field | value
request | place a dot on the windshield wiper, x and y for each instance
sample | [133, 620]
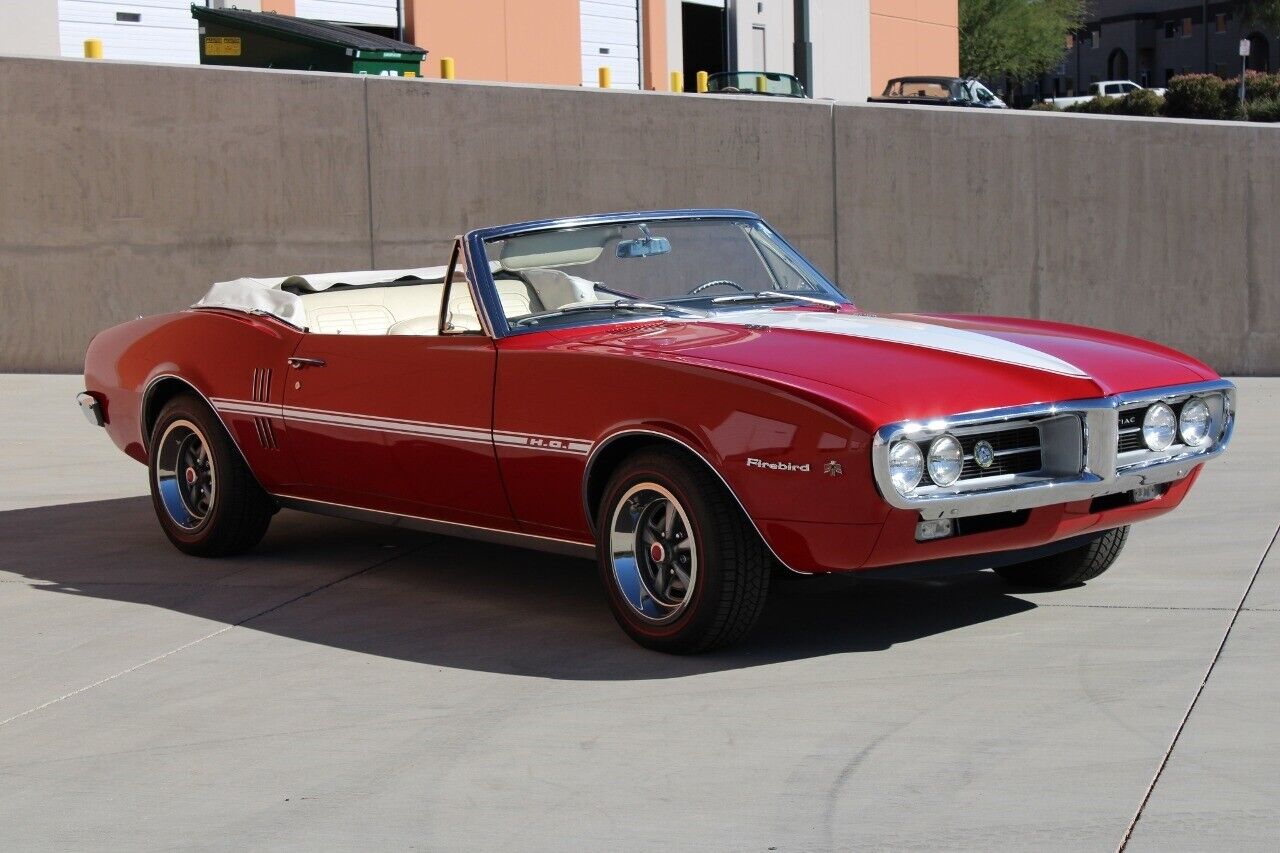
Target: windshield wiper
[619, 305]
[765, 295]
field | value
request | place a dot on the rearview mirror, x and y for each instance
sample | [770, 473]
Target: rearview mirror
[644, 247]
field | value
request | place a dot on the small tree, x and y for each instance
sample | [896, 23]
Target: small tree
[1258, 13]
[1017, 39]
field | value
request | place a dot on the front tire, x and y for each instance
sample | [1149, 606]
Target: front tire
[1070, 568]
[683, 569]
[207, 500]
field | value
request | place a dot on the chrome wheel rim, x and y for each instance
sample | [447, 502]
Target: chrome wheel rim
[185, 477]
[653, 553]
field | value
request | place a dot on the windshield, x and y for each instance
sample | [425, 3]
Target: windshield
[765, 82]
[567, 275]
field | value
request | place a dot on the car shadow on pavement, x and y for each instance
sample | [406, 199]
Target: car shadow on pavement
[447, 602]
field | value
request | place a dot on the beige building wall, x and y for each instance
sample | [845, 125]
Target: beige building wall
[517, 41]
[29, 28]
[913, 37]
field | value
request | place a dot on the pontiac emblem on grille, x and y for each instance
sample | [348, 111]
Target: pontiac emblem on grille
[833, 469]
[984, 454]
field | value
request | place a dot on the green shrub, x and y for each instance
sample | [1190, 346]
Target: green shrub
[1143, 102]
[1262, 87]
[1093, 106]
[1264, 109]
[1041, 106]
[1199, 96]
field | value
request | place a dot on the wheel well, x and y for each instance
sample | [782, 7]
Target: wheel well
[160, 393]
[614, 453]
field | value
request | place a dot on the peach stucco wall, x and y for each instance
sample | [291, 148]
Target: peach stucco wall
[913, 37]
[280, 7]
[517, 41]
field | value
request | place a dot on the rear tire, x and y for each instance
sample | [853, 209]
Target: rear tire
[1070, 568]
[207, 500]
[683, 569]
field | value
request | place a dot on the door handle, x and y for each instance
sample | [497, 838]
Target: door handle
[298, 362]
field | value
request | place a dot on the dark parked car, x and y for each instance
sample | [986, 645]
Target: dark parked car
[940, 92]
[755, 83]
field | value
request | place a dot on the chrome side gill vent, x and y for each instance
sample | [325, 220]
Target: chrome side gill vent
[261, 393]
[266, 434]
[261, 385]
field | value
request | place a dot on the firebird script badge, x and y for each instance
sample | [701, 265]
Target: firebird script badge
[832, 469]
[752, 462]
[984, 454]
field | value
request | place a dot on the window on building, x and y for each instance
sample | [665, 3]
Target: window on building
[1186, 28]
[1170, 29]
[1220, 22]
[1095, 38]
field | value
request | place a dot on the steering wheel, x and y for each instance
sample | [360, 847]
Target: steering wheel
[716, 282]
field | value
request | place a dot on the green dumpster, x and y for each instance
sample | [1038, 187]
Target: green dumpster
[269, 40]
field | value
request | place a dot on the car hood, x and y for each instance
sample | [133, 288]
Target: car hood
[916, 365]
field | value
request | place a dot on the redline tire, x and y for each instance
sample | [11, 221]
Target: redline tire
[721, 567]
[1070, 568]
[206, 499]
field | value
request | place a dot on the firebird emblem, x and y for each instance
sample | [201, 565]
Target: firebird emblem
[984, 454]
[833, 469]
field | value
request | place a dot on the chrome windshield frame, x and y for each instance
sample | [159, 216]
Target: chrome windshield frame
[1101, 472]
[491, 306]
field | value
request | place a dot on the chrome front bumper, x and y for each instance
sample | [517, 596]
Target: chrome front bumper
[1089, 431]
[91, 408]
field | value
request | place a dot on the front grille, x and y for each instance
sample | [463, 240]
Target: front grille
[1017, 452]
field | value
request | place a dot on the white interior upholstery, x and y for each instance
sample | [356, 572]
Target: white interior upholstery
[413, 309]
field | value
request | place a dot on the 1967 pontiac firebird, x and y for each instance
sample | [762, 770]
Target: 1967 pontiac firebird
[677, 394]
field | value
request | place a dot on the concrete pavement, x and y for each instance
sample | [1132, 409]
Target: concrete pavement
[348, 686]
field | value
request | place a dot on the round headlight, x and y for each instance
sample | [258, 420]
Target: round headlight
[906, 466]
[1159, 426]
[946, 460]
[1193, 423]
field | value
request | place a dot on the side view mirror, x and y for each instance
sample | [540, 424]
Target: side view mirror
[644, 247]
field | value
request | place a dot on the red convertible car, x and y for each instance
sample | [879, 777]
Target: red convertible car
[677, 394]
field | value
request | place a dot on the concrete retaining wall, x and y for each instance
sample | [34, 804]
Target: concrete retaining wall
[127, 189]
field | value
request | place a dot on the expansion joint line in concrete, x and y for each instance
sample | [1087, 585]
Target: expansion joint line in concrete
[1164, 761]
[216, 633]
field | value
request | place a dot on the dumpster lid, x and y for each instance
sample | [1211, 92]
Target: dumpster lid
[304, 30]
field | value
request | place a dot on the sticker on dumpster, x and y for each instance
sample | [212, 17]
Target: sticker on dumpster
[221, 45]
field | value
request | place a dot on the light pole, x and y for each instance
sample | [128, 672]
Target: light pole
[803, 47]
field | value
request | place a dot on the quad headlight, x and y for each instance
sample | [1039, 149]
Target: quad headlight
[906, 466]
[1194, 421]
[946, 460]
[1159, 426]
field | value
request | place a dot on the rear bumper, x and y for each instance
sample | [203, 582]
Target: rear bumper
[91, 408]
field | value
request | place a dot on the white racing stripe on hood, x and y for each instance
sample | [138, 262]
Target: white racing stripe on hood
[909, 332]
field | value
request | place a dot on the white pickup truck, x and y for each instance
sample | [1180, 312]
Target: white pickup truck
[1104, 89]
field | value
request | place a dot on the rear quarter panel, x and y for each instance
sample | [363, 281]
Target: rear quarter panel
[216, 352]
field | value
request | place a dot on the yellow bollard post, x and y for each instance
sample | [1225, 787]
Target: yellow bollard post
[446, 68]
[702, 81]
[762, 84]
[677, 81]
[606, 77]
[93, 48]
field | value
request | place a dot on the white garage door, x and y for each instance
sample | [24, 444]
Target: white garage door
[368, 13]
[139, 30]
[611, 36]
